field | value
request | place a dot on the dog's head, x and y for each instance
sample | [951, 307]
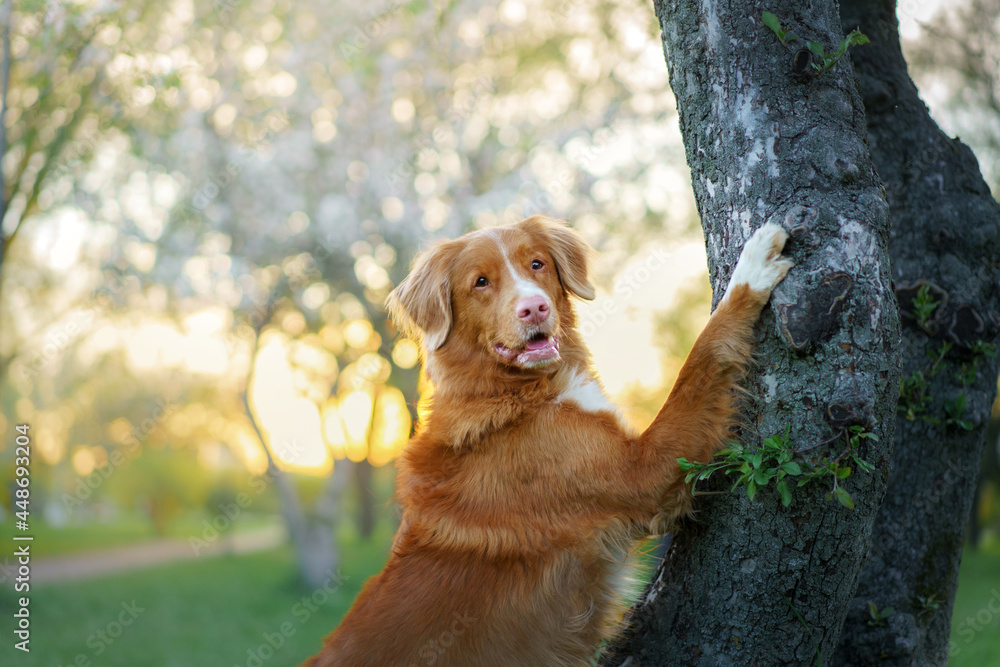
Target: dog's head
[500, 292]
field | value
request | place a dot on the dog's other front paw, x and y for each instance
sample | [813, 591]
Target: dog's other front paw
[761, 265]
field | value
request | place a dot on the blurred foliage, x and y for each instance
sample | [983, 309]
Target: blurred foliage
[176, 173]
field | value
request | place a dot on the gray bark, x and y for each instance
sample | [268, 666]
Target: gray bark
[750, 582]
[312, 535]
[366, 499]
[946, 233]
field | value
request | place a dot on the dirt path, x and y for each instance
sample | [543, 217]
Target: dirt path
[94, 564]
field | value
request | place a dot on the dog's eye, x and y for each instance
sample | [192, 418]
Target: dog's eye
[481, 282]
[537, 264]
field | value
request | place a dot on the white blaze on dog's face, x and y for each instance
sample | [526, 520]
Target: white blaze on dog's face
[502, 291]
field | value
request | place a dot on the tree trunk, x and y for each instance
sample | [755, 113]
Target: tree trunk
[366, 499]
[751, 582]
[945, 237]
[319, 556]
[313, 536]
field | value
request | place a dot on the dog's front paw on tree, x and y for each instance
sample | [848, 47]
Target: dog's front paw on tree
[768, 136]
[762, 149]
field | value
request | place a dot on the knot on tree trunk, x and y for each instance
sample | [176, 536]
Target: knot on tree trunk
[815, 315]
[962, 324]
[851, 403]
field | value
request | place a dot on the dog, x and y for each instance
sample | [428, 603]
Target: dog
[523, 490]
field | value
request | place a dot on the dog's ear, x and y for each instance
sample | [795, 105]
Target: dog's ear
[569, 251]
[421, 304]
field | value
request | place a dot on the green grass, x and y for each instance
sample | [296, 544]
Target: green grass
[975, 622]
[50, 541]
[213, 612]
[128, 529]
[220, 612]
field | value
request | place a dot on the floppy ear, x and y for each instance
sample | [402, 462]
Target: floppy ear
[421, 304]
[569, 252]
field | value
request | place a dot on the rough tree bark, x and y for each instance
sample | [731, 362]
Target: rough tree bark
[750, 582]
[945, 235]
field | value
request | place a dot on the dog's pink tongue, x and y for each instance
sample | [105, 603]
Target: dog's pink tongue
[539, 344]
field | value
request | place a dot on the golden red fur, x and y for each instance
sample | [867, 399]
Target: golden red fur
[522, 490]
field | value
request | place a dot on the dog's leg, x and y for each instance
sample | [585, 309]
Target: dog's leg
[697, 418]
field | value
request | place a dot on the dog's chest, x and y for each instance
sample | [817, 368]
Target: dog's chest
[586, 393]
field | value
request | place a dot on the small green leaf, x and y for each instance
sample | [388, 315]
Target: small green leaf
[841, 50]
[857, 38]
[786, 493]
[844, 498]
[887, 612]
[872, 609]
[751, 489]
[815, 47]
[772, 22]
[685, 464]
[792, 468]
[843, 472]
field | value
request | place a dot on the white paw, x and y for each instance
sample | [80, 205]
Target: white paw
[761, 265]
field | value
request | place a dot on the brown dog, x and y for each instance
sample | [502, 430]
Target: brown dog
[523, 490]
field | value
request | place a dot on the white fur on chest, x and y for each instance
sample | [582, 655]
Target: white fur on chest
[587, 393]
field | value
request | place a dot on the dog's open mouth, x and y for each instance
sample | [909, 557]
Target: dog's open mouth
[537, 349]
